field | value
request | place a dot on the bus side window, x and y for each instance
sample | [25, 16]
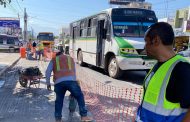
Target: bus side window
[89, 27]
[92, 23]
[108, 28]
[83, 28]
[94, 27]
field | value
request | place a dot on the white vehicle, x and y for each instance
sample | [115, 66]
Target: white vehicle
[9, 42]
[113, 39]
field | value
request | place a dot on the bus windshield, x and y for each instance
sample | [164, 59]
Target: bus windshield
[130, 29]
[45, 36]
[132, 22]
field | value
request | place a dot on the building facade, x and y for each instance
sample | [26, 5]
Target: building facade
[182, 29]
[182, 21]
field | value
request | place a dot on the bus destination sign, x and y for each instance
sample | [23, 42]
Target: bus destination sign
[124, 2]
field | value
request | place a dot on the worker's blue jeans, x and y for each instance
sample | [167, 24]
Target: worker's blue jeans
[40, 53]
[60, 90]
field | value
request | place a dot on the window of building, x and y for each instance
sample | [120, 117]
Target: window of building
[1, 40]
[10, 41]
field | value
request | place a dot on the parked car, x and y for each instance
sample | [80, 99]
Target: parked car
[9, 43]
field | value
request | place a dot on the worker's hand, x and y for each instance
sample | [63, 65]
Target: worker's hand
[49, 87]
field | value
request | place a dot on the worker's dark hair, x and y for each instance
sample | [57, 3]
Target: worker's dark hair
[162, 30]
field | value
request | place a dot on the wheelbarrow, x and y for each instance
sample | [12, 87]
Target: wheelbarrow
[28, 80]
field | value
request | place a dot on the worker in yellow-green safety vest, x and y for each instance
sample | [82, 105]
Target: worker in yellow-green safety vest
[167, 85]
[39, 50]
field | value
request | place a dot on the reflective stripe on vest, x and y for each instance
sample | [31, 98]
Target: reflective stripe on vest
[68, 63]
[63, 66]
[57, 63]
[155, 95]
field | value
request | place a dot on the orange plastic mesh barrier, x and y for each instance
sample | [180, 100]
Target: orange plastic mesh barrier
[109, 103]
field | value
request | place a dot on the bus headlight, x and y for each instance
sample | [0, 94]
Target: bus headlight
[128, 50]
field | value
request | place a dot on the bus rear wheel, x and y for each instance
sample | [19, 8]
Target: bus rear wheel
[80, 58]
[113, 68]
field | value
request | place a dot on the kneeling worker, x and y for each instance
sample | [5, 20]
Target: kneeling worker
[63, 67]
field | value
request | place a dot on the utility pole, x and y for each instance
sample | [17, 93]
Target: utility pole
[166, 7]
[25, 25]
[32, 33]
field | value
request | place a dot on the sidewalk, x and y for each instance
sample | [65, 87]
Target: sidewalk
[7, 60]
[20, 104]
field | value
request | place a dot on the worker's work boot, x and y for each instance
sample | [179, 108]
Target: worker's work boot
[86, 119]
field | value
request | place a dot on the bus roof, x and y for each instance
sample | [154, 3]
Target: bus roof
[108, 11]
[102, 12]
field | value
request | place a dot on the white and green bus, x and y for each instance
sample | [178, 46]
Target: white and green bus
[113, 40]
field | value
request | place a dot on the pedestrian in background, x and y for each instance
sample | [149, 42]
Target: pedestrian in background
[63, 68]
[34, 49]
[29, 48]
[34, 44]
[167, 86]
[40, 50]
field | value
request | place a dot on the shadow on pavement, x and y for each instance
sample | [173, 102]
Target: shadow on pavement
[20, 104]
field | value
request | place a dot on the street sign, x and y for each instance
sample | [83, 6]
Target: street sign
[9, 25]
[10, 22]
[124, 2]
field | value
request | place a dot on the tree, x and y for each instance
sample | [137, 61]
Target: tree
[56, 37]
[4, 2]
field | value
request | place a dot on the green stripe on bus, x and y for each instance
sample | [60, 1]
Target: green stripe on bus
[123, 43]
[57, 63]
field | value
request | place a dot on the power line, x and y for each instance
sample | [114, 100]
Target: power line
[47, 21]
[163, 2]
[166, 8]
[19, 6]
[11, 7]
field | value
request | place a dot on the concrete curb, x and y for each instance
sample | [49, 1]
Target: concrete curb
[8, 67]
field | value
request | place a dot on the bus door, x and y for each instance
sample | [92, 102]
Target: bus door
[100, 43]
[73, 40]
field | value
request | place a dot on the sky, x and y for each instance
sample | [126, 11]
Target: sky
[51, 15]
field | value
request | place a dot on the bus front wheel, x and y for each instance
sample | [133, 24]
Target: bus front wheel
[80, 58]
[113, 68]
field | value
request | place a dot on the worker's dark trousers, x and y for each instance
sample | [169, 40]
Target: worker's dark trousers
[60, 90]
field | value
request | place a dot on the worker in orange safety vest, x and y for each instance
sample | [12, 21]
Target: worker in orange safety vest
[63, 68]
